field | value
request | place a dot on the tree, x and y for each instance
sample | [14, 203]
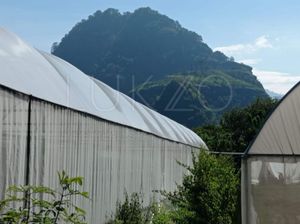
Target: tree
[27, 204]
[231, 59]
[208, 194]
[54, 47]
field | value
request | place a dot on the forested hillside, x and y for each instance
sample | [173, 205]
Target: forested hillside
[153, 59]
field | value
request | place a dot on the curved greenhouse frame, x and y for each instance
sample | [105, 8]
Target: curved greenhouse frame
[271, 167]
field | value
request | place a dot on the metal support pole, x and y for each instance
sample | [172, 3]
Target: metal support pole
[27, 164]
[27, 168]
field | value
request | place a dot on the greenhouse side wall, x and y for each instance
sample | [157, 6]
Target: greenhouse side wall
[271, 189]
[13, 138]
[111, 158]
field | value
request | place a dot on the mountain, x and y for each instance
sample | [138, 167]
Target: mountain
[274, 95]
[153, 59]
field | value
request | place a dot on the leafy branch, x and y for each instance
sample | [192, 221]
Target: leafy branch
[40, 204]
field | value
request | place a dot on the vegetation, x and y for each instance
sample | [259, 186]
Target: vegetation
[158, 62]
[238, 127]
[162, 214]
[131, 211]
[40, 204]
[208, 194]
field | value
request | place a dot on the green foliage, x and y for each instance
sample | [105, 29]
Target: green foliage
[215, 137]
[130, 211]
[161, 214]
[238, 127]
[40, 204]
[208, 193]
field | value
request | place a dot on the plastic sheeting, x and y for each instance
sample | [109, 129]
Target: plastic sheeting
[107, 155]
[271, 190]
[280, 134]
[111, 158]
[271, 167]
[13, 138]
[47, 77]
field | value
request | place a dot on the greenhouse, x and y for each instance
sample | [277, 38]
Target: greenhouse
[271, 167]
[53, 117]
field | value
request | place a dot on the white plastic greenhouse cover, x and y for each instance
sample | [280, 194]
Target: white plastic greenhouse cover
[52, 79]
[280, 135]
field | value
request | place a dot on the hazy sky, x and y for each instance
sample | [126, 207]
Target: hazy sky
[262, 33]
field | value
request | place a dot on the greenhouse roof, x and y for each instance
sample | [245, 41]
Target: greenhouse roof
[47, 77]
[280, 134]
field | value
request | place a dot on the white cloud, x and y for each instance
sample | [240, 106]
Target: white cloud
[247, 53]
[231, 49]
[250, 61]
[278, 82]
[262, 42]
[259, 43]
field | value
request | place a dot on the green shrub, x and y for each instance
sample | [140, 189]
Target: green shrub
[25, 204]
[130, 211]
[208, 194]
[161, 214]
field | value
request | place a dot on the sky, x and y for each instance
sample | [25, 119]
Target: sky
[264, 34]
